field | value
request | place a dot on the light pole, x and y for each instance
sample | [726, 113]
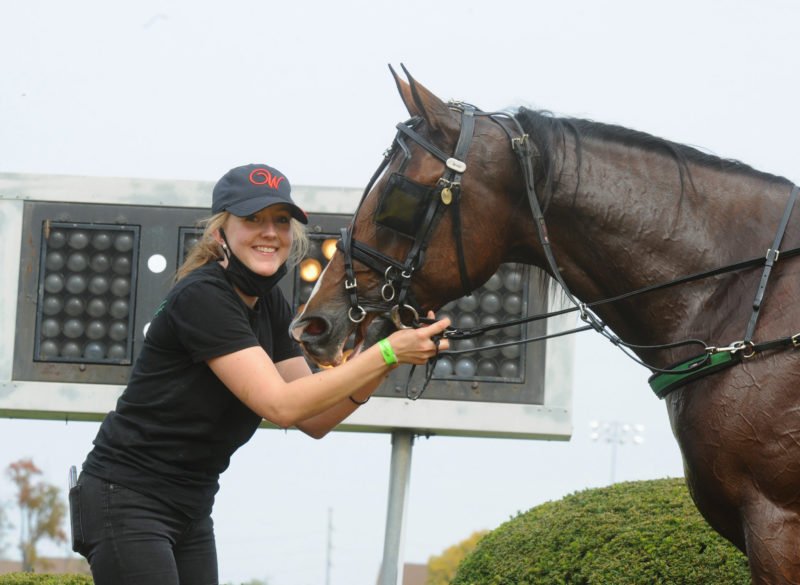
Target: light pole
[616, 433]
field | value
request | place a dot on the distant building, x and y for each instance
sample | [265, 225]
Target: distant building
[413, 574]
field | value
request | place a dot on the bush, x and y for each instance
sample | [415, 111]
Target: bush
[627, 534]
[44, 579]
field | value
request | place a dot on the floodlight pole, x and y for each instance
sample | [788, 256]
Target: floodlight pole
[616, 433]
[399, 476]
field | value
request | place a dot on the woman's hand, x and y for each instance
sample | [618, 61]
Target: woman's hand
[416, 346]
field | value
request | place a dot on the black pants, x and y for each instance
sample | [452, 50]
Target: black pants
[132, 539]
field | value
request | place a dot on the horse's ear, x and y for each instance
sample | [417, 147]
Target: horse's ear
[405, 93]
[419, 101]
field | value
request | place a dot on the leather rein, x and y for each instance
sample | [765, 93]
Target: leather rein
[396, 294]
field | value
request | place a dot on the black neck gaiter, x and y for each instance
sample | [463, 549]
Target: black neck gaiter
[247, 281]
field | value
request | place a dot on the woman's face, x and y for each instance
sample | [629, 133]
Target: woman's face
[262, 241]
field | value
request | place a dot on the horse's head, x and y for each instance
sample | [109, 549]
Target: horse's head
[435, 222]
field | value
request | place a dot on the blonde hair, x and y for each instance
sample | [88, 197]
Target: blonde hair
[207, 249]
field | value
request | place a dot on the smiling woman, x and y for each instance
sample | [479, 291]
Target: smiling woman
[255, 248]
[217, 359]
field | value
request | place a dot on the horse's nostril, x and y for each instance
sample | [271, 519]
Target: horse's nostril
[315, 327]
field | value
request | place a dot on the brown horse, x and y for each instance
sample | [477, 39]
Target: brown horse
[625, 211]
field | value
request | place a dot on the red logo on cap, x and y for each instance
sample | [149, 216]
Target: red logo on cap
[264, 177]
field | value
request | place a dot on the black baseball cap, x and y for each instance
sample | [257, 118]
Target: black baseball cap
[248, 189]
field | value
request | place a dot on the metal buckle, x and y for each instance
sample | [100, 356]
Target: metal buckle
[795, 340]
[350, 284]
[520, 144]
[456, 105]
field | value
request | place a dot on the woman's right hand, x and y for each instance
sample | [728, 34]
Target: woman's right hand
[416, 346]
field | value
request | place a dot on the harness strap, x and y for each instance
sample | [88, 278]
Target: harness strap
[356, 312]
[466, 285]
[416, 137]
[346, 241]
[464, 140]
[416, 254]
[371, 257]
[524, 151]
[665, 381]
[690, 370]
[772, 257]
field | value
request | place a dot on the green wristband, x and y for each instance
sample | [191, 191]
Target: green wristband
[387, 352]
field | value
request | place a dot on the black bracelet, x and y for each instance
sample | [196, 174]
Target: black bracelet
[354, 401]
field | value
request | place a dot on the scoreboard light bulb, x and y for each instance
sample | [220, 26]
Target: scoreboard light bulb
[310, 269]
[329, 248]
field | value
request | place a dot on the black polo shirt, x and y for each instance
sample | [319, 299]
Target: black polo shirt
[176, 425]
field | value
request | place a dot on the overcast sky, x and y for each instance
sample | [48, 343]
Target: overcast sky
[186, 90]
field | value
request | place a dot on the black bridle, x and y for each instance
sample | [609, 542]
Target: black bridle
[395, 292]
[446, 193]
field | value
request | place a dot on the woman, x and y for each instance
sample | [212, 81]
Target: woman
[216, 360]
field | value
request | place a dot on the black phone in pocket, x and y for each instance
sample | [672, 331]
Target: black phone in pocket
[75, 509]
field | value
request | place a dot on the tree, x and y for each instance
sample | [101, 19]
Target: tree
[442, 568]
[42, 511]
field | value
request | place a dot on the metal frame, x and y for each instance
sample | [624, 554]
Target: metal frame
[157, 234]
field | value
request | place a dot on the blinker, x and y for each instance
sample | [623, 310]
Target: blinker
[402, 204]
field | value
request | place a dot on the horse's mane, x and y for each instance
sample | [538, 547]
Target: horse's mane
[549, 132]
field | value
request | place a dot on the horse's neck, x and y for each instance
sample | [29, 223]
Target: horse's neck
[625, 221]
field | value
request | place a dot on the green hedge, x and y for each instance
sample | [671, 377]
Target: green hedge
[634, 533]
[44, 579]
